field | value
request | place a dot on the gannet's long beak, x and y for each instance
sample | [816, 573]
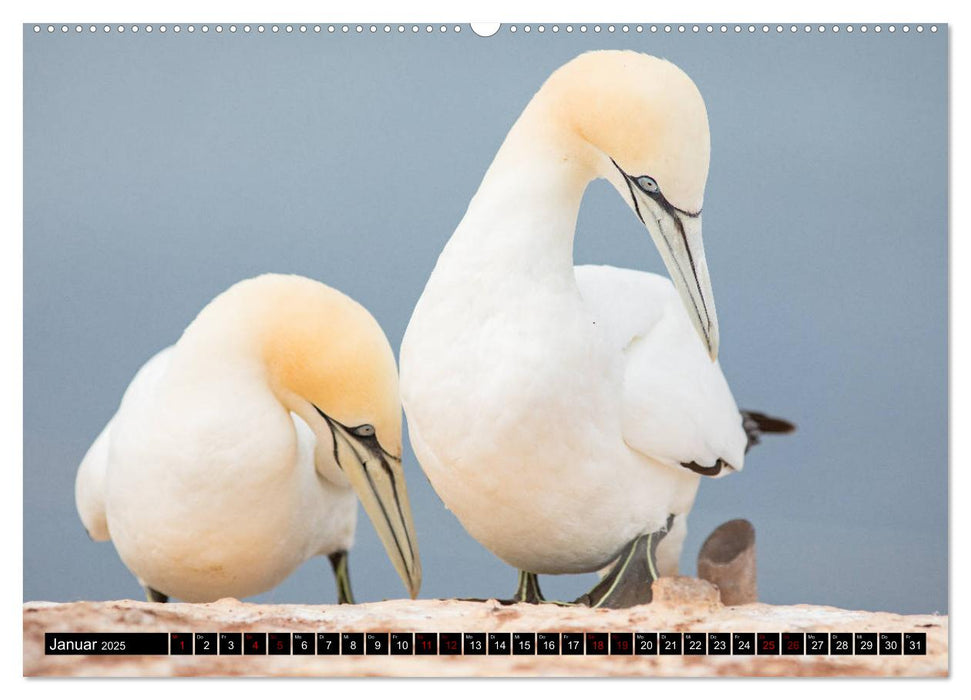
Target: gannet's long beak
[678, 238]
[379, 481]
[677, 235]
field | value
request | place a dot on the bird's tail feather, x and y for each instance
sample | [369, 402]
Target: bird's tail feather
[757, 424]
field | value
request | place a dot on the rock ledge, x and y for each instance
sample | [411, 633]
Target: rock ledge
[680, 605]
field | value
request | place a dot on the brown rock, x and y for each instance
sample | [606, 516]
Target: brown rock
[727, 559]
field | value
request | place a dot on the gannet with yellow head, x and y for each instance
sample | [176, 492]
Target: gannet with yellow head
[236, 454]
[565, 414]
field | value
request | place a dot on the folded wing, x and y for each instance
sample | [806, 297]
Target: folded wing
[677, 407]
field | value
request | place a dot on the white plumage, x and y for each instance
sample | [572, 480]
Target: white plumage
[676, 404]
[241, 451]
[557, 411]
[204, 500]
[555, 428]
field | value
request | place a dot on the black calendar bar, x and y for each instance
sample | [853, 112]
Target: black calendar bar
[487, 644]
[106, 643]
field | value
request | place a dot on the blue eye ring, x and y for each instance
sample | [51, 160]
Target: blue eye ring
[366, 430]
[647, 183]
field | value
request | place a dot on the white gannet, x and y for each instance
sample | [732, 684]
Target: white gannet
[236, 453]
[565, 414]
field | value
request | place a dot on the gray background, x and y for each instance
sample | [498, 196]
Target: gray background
[160, 169]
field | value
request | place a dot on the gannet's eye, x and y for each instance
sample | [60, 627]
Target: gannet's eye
[648, 184]
[366, 430]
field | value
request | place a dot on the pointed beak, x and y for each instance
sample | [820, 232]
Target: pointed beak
[678, 238]
[677, 235]
[379, 481]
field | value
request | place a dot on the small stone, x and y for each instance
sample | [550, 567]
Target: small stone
[683, 590]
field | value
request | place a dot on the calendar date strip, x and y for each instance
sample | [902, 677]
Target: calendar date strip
[486, 644]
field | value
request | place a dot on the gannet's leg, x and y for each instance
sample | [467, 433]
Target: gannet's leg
[338, 561]
[154, 596]
[527, 591]
[629, 582]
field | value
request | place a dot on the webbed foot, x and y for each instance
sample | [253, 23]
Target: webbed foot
[154, 596]
[629, 582]
[342, 576]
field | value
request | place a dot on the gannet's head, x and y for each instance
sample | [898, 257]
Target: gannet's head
[329, 361]
[647, 128]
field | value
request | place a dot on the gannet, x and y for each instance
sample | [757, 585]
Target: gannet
[566, 414]
[236, 453]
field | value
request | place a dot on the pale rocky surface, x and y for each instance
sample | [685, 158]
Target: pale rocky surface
[680, 605]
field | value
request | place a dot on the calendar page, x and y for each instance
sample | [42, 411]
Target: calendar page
[546, 349]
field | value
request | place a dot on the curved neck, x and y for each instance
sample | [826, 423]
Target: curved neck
[523, 216]
[224, 348]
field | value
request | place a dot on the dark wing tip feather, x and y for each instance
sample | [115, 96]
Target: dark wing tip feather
[757, 424]
[713, 470]
[767, 424]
